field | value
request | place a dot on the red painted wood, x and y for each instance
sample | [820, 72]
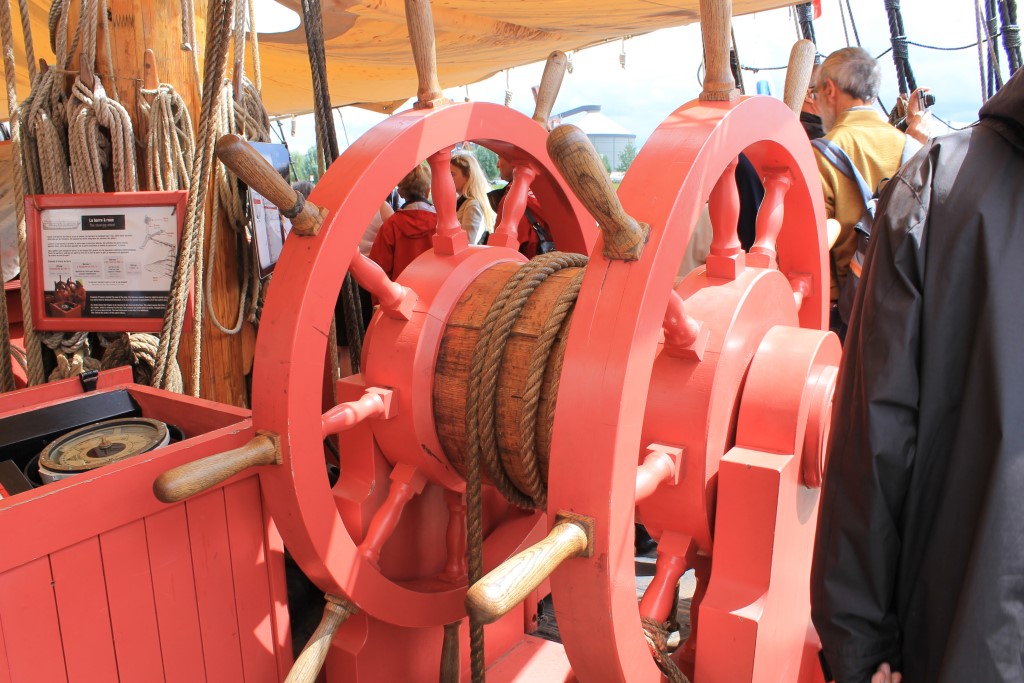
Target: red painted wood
[279, 618]
[130, 600]
[67, 512]
[5, 671]
[174, 594]
[51, 392]
[215, 591]
[251, 574]
[28, 611]
[82, 609]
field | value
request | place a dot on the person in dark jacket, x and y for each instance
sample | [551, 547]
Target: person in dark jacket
[919, 556]
[409, 231]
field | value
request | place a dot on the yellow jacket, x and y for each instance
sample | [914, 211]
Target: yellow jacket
[875, 147]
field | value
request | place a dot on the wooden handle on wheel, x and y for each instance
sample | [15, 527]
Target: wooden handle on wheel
[798, 74]
[550, 84]
[509, 583]
[191, 478]
[307, 667]
[420, 21]
[577, 160]
[249, 165]
[716, 27]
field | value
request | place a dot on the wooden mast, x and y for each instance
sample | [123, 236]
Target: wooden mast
[135, 26]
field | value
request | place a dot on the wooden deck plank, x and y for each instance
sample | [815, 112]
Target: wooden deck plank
[174, 594]
[81, 593]
[28, 610]
[130, 599]
[215, 591]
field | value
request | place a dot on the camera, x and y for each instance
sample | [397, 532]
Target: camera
[925, 99]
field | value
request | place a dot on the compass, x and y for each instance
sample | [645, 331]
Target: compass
[100, 444]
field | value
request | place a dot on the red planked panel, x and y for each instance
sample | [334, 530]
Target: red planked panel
[215, 590]
[249, 566]
[174, 593]
[5, 671]
[278, 595]
[82, 609]
[130, 598]
[28, 611]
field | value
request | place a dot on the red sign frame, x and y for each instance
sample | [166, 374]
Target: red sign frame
[35, 205]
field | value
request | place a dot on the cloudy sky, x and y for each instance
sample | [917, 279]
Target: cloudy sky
[661, 68]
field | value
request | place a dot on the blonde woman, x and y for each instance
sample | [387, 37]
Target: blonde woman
[474, 211]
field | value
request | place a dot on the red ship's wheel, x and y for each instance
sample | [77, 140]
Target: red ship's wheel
[610, 415]
[322, 527]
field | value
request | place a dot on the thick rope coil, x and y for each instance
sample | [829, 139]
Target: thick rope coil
[72, 352]
[170, 144]
[140, 352]
[88, 111]
[480, 408]
[657, 640]
[218, 21]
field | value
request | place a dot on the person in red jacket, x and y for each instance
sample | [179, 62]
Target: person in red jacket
[409, 231]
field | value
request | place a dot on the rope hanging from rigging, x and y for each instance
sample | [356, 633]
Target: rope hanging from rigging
[1011, 33]
[994, 78]
[900, 51]
[327, 149]
[805, 20]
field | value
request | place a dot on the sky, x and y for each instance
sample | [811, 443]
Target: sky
[661, 68]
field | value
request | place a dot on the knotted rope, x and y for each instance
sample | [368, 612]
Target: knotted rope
[656, 634]
[900, 52]
[72, 353]
[218, 22]
[89, 110]
[481, 407]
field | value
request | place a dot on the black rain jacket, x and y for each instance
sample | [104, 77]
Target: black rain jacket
[919, 556]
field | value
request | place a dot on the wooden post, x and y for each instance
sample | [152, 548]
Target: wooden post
[716, 27]
[135, 26]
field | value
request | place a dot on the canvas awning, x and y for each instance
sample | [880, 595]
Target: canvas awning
[370, 61]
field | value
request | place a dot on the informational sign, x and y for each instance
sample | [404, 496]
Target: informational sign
[269, 227]
[103, 262]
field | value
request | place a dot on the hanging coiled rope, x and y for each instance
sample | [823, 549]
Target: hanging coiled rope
[190, 252]
[1011, 33]
[170, 142]
[34, 361]
[900, 52]
[327, 148]
[994, 75]
[89, 110]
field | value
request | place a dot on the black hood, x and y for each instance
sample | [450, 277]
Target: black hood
[1004, 113]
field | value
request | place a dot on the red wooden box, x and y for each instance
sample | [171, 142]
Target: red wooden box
[100, 581]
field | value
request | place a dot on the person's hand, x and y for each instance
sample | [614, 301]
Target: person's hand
[914, 107]
[886, 675]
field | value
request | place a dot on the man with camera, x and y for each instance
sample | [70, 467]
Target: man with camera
[845, 92]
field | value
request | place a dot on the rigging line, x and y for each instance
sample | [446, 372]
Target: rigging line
[1011, 33]
[842, 15]
[995, 76]
[853, 23]
[981, 50]
[945, 49]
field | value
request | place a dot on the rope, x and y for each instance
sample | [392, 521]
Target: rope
[140, 351]
[995, 78]
[805, 19]
[981, 51]
[657, 640]
[33, 351]
[327, 152]
[188, 39]
[72, 352]
[480, 409]
[170, 145]
[218, 21]
[254, 41]
[1011, 33]
[26, 31]
[900, 54]
[88, 111]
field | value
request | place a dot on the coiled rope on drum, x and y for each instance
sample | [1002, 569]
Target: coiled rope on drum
[481, 406]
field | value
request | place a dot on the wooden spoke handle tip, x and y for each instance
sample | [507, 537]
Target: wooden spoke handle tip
[513, 580]
[191, 478]
[307, 667]
[550, 84]
[578, 162]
